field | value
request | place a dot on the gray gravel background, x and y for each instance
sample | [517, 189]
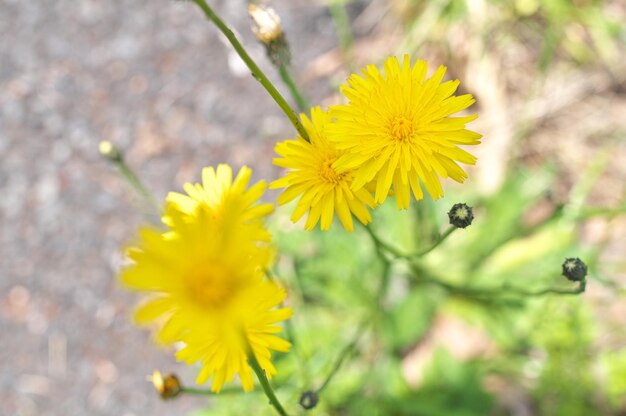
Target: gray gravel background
[156, 79]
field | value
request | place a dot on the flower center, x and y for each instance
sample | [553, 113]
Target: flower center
[401, 128]
[211, 287]
[461, 213]
[327, 172]
[570, 265]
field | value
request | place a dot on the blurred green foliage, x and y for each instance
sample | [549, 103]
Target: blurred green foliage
[583, 30]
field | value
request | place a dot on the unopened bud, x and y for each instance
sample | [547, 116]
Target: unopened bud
[309, 399]
[110, 151]
[574, 269]
[265, 23]
[268, 30]
[461, 215]
[167, 386]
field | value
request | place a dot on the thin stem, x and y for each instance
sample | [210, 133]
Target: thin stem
[347, 350]
[135, 183]
[285, 75]
[291, 337]
[341, 20]
[384, 281]
[197, 392]
[503, 290]
[267, 388]
[300, 359]
[115, 155]
[379, 243]
[256, 71]
[207, 392]
[298, 283]
[582, 286]
[441, 239]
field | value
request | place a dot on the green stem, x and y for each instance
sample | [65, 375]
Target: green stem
[256, 71]
[439, 241]
[397, 253]
[115, 155]
[582, 286]
[197, 392]
[380, 246]
[341, 20]
[384, 281]
[379, 243]
[285, 75]
[347, 350]
[207, 392]
[267, 388]
[291, 337]
[135, 183]
[472, 292]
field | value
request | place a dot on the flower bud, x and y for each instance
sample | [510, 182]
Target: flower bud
[574, 269]
[461, 215]
[167, 386]
[265, 23]
[309, 399]
[110, 151]
[268, 30]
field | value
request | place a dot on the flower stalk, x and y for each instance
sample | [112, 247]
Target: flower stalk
[440, 240]
[254, 68]
[267, 388]
[207, 392]
[285, 75]
[115, 155]
[341, 20]
[484, 293]
[347, 350]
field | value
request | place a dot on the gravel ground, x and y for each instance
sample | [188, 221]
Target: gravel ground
[156, 79]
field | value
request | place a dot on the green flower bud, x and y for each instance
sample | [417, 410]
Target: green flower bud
[574, 269]
[309, 399]
[110, 151]
[461, 215]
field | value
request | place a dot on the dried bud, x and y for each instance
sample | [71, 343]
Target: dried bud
[265, 23]
[461, 215]
[110, 151]
[167, 386]
[309, 399]
[267, 29]
[574, 269]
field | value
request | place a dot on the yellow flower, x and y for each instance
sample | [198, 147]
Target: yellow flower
[396, 130]
[207, 281]
[229, 201]
[312, 176]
